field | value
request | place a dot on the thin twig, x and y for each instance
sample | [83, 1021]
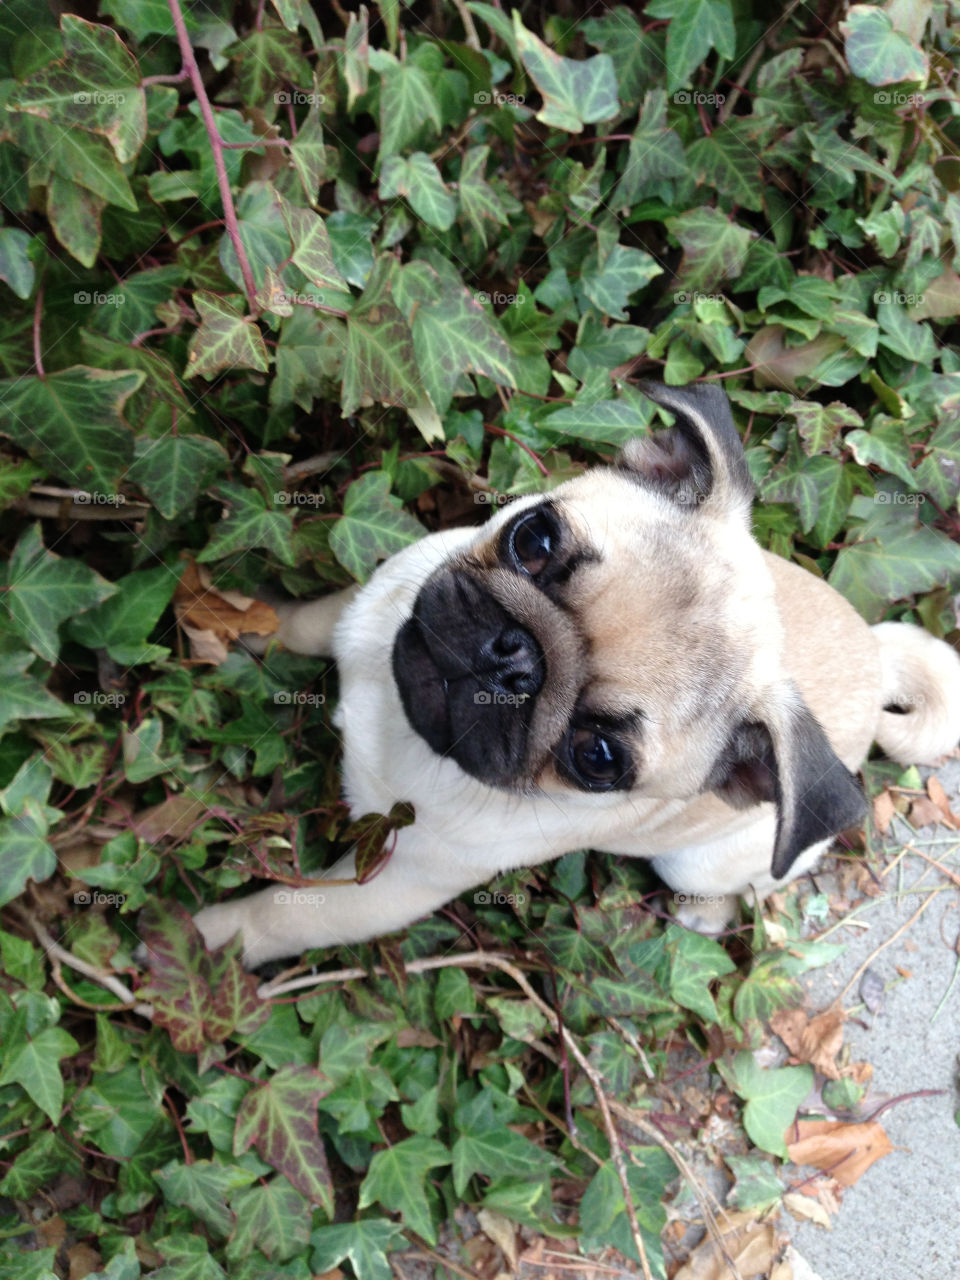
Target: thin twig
[470, 37]
[102, 978]
[951, 875]
[37, 312]
[634, 1044]
[466, 960]
[216, 146]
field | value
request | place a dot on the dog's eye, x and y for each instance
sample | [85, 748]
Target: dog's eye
[597, 761]
[532, 542]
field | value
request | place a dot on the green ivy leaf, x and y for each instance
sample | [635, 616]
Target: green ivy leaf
[173, 470]
[203, 1187]
[418, 180]
[249, 521]
[72, 422]
[273, 1217]
[574, 93]
[696, 27]
[280, 1119]
[16, 268]
[876, 51]
[396, 1180]
[44, 590]
[225, 339]
[373, 526]
[772, 1097]
[714, 247]
[35, 1065]
[364, 1244]
[123, 622]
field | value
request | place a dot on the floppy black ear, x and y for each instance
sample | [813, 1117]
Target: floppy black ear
[700, 459]
[790, 762]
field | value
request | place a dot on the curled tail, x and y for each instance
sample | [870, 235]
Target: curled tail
[920, 675]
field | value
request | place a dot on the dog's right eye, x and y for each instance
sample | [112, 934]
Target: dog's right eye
[532, 542]
[598, 761]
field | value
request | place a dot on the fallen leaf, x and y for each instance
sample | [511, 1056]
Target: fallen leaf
[806, 1207]
[175, 817]
[82, 1259]
[883, 811]
[211, 617]
[861, 1072]
[939, 797]
[924, 813]
[846, 1150]
[502, 1232]
[751, 1245]
[816, 1040]
[904, 973]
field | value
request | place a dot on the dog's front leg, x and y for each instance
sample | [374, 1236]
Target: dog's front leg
[284, 921]
[306, 626]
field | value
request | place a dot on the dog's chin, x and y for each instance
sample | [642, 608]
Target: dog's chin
[457, 718]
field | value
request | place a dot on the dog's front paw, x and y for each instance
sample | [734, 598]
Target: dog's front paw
[705, 913]
[219, 924]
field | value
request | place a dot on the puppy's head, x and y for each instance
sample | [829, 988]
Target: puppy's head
[621, 634]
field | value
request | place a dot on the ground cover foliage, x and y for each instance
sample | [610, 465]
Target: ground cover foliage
[283, 291]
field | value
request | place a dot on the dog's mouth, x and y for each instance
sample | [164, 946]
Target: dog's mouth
[468, 675]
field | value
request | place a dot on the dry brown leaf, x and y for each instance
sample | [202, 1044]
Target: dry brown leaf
[174, 817]
[883, 810]
[752, 1245]
[846, 1150]
[83, 1260]
[201, 608]
[502, 1232]
[816, 1040]
[777, 365]
[939, 797]
[51, 1232]
[924, 813]
[806, 1207]
[205, 646]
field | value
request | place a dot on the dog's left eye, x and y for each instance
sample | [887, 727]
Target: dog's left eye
[598, 762]
[532, 542]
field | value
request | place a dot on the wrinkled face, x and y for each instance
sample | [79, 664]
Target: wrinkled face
[605, 637]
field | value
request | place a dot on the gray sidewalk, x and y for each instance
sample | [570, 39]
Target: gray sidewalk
[901, 1220]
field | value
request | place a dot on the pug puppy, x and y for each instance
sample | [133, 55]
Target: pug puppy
[617, 665]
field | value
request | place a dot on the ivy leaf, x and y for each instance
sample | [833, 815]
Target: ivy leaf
[187, 1258]
[886, 447]
[396, 1180]
[173, 470]
[772, 1097]
[480, 203]
[625, 270]
[876, 51]
[309, 357]
[486, 1145]
[407, 102]
[696, 27]
[16, 268]
[25, 852]
[279, 1118]
[95, 87]
[365, 1244]
[604, 422]
[714, 247]
[418, 180]
[724, 160]
[373, 526]
[203, 1187]
[22, 697]
[35, 1065]
[44, 589]
[251, 521]
[452, 333]
[695, 961]
[574, 93]
[312, 252]
[311, 159]
[273, 1217]
[381, 363]
[122, 623]
[907, 561]
[75, 217]
[656, 151]
[82, 157]
[72, 422]
[938, 473]
[819, 425]
[603, 1218]
[225, 339]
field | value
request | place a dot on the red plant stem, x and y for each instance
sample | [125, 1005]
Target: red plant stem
[187, 1153]
[502, 431]
[216, 146]
[180, 76]
[37, 311]
[255, 142]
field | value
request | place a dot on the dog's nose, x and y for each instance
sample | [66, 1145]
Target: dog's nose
[516, 663]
